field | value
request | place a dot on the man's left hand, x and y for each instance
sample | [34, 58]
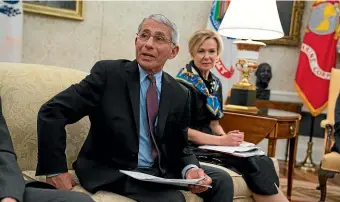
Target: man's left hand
[195, 173]
[8, 200]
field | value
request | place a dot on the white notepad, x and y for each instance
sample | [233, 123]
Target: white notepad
[151, 178]
[245, 149]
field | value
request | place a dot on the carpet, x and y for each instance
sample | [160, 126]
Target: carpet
[307, 192]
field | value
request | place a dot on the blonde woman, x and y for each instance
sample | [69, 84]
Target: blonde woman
[205, 47]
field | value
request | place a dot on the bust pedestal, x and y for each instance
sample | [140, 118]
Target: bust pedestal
[262, 94]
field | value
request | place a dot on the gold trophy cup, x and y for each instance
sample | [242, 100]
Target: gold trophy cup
[243, 93]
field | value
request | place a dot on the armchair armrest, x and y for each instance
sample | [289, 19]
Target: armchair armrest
[324, 123]
[329, 128]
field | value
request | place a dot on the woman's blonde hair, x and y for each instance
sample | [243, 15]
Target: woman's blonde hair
[200, 36]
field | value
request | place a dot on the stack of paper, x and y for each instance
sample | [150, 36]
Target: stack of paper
[247, 144]
[245, 149]
[151, 178]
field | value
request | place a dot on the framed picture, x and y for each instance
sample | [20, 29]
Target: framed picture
[64, 9]
[290, 13]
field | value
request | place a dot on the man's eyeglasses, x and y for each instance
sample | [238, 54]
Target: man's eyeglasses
[159, 39]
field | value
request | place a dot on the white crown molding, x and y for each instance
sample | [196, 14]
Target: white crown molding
[285, 96]
[288, 96]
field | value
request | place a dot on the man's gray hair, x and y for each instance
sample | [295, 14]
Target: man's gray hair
[163, 20]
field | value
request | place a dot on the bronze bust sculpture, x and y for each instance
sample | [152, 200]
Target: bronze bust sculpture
[263, 77]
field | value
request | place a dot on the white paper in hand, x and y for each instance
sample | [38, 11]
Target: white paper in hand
[151, 178]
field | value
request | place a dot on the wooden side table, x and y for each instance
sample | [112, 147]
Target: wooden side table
[271, 124]
[280, 105]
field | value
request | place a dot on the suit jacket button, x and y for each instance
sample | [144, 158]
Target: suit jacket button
[133, 155]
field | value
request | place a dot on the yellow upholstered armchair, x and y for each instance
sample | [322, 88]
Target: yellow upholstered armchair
[330, 164]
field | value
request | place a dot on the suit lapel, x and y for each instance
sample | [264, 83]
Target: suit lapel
[132, 81]
[166, 93]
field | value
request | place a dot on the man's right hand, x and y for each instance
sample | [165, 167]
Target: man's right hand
[8, 200]
[63, 181]
[232, 138]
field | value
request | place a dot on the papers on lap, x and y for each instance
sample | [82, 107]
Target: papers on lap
[151, 178]
[245, 149]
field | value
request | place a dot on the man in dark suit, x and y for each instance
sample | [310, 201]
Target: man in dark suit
[13, 187]
[336, 146]
[139, 120]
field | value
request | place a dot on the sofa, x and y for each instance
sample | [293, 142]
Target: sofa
[25, 87]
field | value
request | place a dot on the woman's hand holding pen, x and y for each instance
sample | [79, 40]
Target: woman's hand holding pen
[232, 138]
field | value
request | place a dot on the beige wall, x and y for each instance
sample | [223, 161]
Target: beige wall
[108, 32]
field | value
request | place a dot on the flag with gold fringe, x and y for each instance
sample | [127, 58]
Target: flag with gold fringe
[318, 55]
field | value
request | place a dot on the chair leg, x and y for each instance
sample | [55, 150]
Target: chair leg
[323, 177]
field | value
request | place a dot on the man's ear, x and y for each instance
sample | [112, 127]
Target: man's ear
[174, 51]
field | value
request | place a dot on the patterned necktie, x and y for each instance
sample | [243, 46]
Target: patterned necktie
[152, 111]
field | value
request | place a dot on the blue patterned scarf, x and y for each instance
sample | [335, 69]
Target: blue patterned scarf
[190, 76]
